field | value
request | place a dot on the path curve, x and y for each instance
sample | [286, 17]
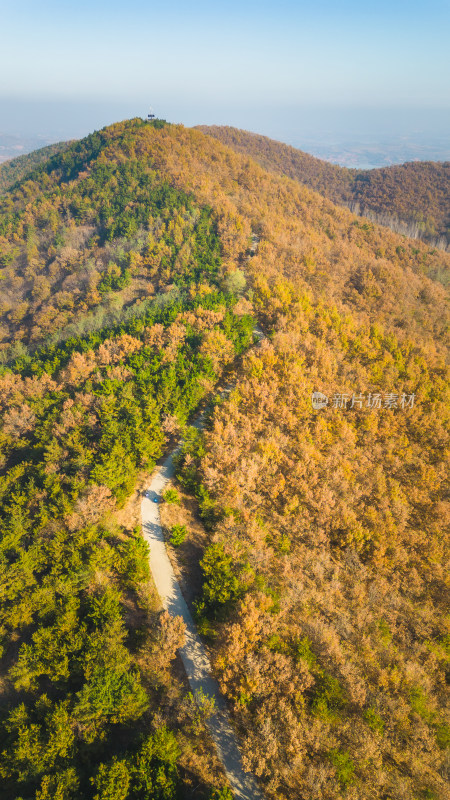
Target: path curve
[193, 654]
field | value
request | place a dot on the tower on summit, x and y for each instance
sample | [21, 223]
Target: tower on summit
[150, 116]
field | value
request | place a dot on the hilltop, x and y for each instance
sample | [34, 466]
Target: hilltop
[313, 540]
[84, 231]
[411, 198]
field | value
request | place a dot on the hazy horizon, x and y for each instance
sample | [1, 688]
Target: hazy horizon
[347, 135]
[323, 76]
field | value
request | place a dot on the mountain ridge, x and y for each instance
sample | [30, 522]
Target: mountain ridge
[410, 198]
[331, 242]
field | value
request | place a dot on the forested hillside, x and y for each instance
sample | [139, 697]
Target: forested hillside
[17, 168]
[325, 565]
[90, 699]
[412, 198]
[127, 290]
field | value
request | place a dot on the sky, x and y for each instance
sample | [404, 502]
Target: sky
[69, 67]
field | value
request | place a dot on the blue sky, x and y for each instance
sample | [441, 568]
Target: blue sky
[199, 62]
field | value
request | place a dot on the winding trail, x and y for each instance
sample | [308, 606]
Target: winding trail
[193, 653]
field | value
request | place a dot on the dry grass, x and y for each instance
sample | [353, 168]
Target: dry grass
[129, 517]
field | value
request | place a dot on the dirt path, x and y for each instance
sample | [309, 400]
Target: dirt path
[193, 653]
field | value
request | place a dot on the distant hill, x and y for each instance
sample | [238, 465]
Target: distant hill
[17, 168]
[412, 198]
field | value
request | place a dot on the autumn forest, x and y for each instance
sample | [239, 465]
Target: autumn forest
[136, 267]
